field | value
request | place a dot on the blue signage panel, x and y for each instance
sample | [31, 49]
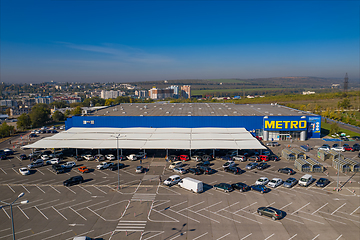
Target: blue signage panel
[314, 127]
[290, 123]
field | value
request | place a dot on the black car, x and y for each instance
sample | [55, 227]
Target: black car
[57, 168]
[322, 182]
[23, 157]
[206, 163]
[234, 170]
[274, 213]
[356, 147]
[262, 166]
[116, 166]
[224, 186]
[173, 158]
[242, 187]
[3, 156]
[205, 169]
[206, 157]
[273, 158]
[286, 170]
[73, 180]
[357, 138]
[260, 188]
[194, 171]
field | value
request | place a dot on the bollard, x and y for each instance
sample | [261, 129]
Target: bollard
[126, 233]
[353, 191]
[146, 189]
[134, 214]
[350, 181]
[334, 188]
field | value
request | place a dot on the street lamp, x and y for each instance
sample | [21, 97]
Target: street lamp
[118, 164]
[11, 211]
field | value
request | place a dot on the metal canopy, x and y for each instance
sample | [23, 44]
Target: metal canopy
[151, 138]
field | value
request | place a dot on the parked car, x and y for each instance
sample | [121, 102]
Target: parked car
[275, 182]
[110, 157]
[196, 158]
[132, 157]
[99, 157]
[184, 158]
[234, 170]
[242, 187]
[290, 182]
[272, 144]
[325, 147]
[194, 171]
[240, 158]
[262, 181]
[53, 161]
[176, 164]
[253, 158]
[205, 169]
[104, 165]
[356, 147]
[83, 169]
[306, 180]
[3, 156]
[347, 147]
[264, 158]
[57, 168]
[24, 171]
[206, 157]
[88, 157]
[224, 186]
[172, 180]
[139, 169]
[251, 166]
[173, 158]
[273, 158]
[228, 164]
[288, 171]
[356, 138]
[45, 157]
[23, 157]
[179, 170]
[36, 163]
[141, 155]
[116, 166]
[260, 188]
[338, 149]
[8, 152]
[271, 212]
[262, 166]
[69, 164]
[322, 182]
[206, 163]
[73, 180]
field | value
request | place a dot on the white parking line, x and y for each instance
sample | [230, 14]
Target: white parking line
[39, 188]
[269, 236]
[93, 204]
[25, 188]
[292, 237]
[8, 180]
[54, 189]
[6, 213]
[59, 213]
[338, 209]
[10, 188]
[15, 171]
[200, 236]
[41, 212]
[56, 235]
[340, 217]
[184, 215]
[227, 207]
[40, 171]
[222, 236]
[16, 233]
[320, 208]
[35, 234]
[245, 207]
[287, 218]
[85, 189]
[70, 190]
[100, 190]
[300, 208]
[315, 236]
[3, 170]
[181, 234]
[339, 237]
[354, 210]
[244, 216]
[151, 236]
[78, 213]
[23, 212]
[76, 204]
[191, 206]
[225, 217]
[5, 229]
[246, 236]
[96, 214]
[285, 206]
[208, 206]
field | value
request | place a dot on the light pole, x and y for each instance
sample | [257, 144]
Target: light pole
[11, 211]
[117, 153]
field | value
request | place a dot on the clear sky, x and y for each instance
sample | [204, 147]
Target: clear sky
[124, 41]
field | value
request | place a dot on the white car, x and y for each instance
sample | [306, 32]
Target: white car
[104, 165]
[141, 155]
[24, 171]
[179, 170]
[175, 164]
[324, 147]
[172, 180]
[53, 161]
[88, 157]
[139, 169]
[68, 165]
[338, 149]
[275, 182]
[110, 157]
[229, 164]
[132, 157]
[45, 157]
[262, 181]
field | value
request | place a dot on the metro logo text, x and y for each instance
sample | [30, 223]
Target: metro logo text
[285, 124]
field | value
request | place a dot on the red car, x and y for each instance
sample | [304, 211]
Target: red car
[83, 169]
[348, 148]
[264, 158]
[184, 157]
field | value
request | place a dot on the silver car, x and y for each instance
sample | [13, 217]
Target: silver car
[290, 182]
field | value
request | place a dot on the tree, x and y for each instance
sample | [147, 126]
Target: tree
[6, 130]
[109, 102]
[59, 104]
[40, 114]
[76, 111]
[23, 121]
[344, 104]
[58, 116]
[334, 128]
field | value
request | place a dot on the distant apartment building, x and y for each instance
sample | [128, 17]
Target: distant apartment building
[308, 92]
[111, 94]
[8, 103]
[19, 111]
[28, 102]
[186, 91]
[156, 93]
[142, 93]
[68, 99]
[46, 100]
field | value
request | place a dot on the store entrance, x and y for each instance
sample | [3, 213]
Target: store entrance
[284, 137]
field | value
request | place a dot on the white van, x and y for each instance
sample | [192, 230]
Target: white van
[306, 180]
[174, 179]
[191, 184]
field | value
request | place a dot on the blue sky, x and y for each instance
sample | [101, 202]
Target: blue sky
[124, 41]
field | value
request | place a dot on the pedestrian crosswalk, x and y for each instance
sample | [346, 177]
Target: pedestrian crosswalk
[131, 226]
[143, 197]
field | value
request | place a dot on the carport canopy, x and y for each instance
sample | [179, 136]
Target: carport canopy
[151, 138]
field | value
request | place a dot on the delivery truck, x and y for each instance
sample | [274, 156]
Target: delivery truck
[191, 184]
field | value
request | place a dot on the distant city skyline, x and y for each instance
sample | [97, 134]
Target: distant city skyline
[128, 41]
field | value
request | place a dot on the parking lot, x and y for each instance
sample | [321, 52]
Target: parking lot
[144, 209]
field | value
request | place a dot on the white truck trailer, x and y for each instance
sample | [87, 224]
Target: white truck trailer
[191, 184]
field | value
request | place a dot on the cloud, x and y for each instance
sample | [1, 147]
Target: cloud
[122, 53]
